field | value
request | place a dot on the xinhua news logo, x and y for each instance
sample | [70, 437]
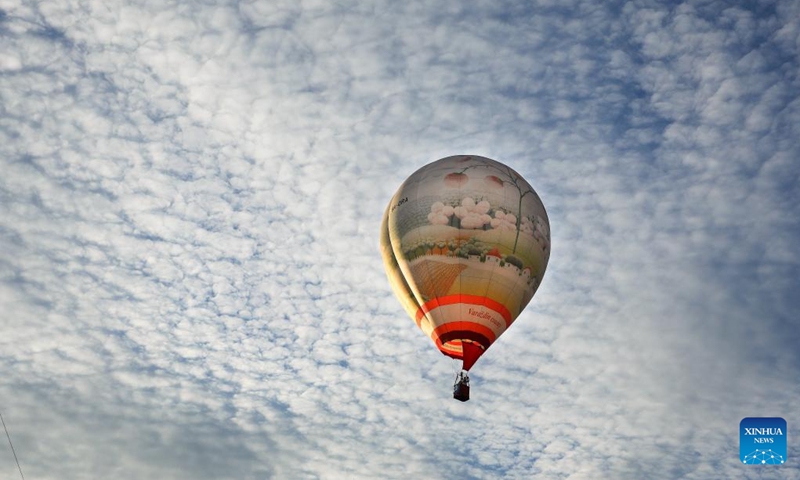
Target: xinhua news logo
[762, 441]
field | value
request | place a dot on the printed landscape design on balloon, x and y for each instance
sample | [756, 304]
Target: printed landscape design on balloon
[468, 226]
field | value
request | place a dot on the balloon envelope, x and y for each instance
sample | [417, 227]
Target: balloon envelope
[465, 242]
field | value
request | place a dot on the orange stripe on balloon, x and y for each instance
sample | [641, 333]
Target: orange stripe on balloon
[458, 355]
[452, 348]
[467, 299]
[453, 351]
[457, 350]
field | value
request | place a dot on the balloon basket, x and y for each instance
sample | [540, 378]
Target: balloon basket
[461, 387]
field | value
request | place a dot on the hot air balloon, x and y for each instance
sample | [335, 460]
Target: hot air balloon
[465, 242]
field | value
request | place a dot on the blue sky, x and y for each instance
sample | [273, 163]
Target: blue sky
[190, 201]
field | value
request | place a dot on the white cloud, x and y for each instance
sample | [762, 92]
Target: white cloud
[191, 196]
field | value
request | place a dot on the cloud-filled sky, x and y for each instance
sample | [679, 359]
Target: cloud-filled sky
[190, 202]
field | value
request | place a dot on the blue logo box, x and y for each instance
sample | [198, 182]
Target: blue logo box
[762, 441]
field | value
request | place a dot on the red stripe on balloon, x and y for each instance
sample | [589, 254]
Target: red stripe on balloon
[463, 329]
[466, 299]
[465, 341]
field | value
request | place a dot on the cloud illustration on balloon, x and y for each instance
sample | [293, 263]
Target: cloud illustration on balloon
[440, 214]
[471, 215]
[504, 221]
